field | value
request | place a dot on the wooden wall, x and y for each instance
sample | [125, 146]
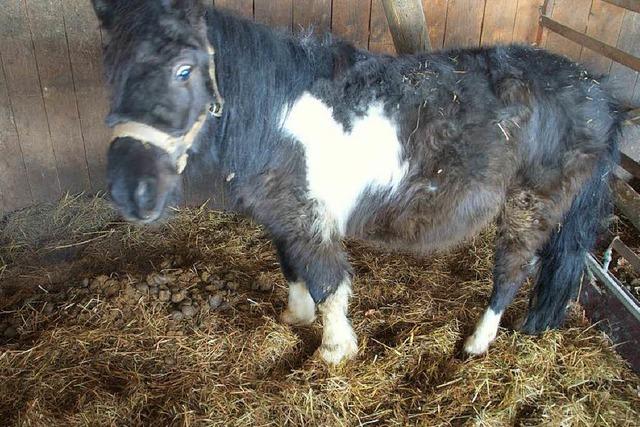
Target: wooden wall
[52, 97]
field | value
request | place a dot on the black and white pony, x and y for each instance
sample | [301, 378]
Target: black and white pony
[318, 141]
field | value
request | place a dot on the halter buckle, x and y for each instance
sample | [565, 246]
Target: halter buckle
[216, 109]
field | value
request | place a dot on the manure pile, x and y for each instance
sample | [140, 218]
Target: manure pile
[104, 323]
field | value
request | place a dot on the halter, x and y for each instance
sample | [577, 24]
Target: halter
[172, 144]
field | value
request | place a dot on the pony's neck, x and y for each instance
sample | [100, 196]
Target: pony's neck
[260, 73]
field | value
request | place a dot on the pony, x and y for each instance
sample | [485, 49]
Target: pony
[319, 141]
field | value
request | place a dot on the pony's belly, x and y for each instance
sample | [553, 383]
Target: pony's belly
[436, 224]
[342, 165]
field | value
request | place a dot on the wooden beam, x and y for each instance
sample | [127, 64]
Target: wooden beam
[408, 25]
[628, 201]
[632, 5]
[626, 252]
[613, 285]
[633, 117]
[630, 165]
[610, 52]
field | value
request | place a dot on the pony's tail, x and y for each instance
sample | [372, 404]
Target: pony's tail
[562, 260]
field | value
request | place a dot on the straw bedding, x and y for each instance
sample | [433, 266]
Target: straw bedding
[104, 323]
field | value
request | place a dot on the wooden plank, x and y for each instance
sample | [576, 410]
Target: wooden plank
[596, 45]
[274, 13]
[573, 14]
[624, 250]
[464, 23]
[25, 94]
[546, 10]
[13, 174]
[52, 55]
[622, 78]
[632, 5]
[314, 14]
[435, 12]
[628, 201]
[610, 315]
[499, 22]
[614, 286]
[240, 7]
[526, 22]
[408, 26]
[380, 39]
[605, 22]
[630, 165]
[350, 21]
[633, 116]
[85, 52]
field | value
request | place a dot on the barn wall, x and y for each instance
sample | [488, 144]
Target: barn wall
[52, 97]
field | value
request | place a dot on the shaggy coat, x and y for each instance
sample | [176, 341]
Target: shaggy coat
[319, 140]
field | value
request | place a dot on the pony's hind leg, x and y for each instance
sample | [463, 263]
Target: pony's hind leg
[523, 227]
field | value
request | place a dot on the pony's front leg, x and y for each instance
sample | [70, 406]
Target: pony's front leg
[301, 308]
[318, 273]
[338, 338]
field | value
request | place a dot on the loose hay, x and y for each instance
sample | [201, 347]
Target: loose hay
[104, 323]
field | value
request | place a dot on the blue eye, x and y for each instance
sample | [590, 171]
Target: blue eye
[183, 73]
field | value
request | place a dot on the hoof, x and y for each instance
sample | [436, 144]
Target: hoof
[290, 318]
[485, 333]
[336, 352]
[476, 345]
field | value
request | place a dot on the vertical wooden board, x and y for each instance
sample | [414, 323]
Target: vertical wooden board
[635, 100]
[545, 33]
[23, 85]
[33, 133]
[274, 13]
[435, 13]
[49, 39]
[241, 7]
[605, 21]
[13, 174]
[380, 39]
[525, 27]
[85, 51]
[499, 22]
[623, 78]
[574, 14]
[314, 14]
[350, 20]
[464, 23]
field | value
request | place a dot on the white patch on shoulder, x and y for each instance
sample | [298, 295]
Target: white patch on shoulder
[485, 333]
[341, 165]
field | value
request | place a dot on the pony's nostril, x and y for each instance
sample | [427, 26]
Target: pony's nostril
[145, 195]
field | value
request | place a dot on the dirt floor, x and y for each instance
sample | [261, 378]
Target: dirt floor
[103, 323]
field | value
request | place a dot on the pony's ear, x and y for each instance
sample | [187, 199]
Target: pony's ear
[105, 11]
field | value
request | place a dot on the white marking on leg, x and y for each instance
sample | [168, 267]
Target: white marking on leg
[301, 309]
[485, 333]
[339, 342]
[342, 165]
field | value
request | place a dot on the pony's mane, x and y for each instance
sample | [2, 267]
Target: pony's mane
[260, 71]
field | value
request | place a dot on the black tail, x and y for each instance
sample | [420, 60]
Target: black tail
[562, 261]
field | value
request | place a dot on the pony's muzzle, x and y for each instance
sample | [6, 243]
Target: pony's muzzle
[141, 179]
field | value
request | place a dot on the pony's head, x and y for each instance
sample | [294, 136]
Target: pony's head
[161, 71]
